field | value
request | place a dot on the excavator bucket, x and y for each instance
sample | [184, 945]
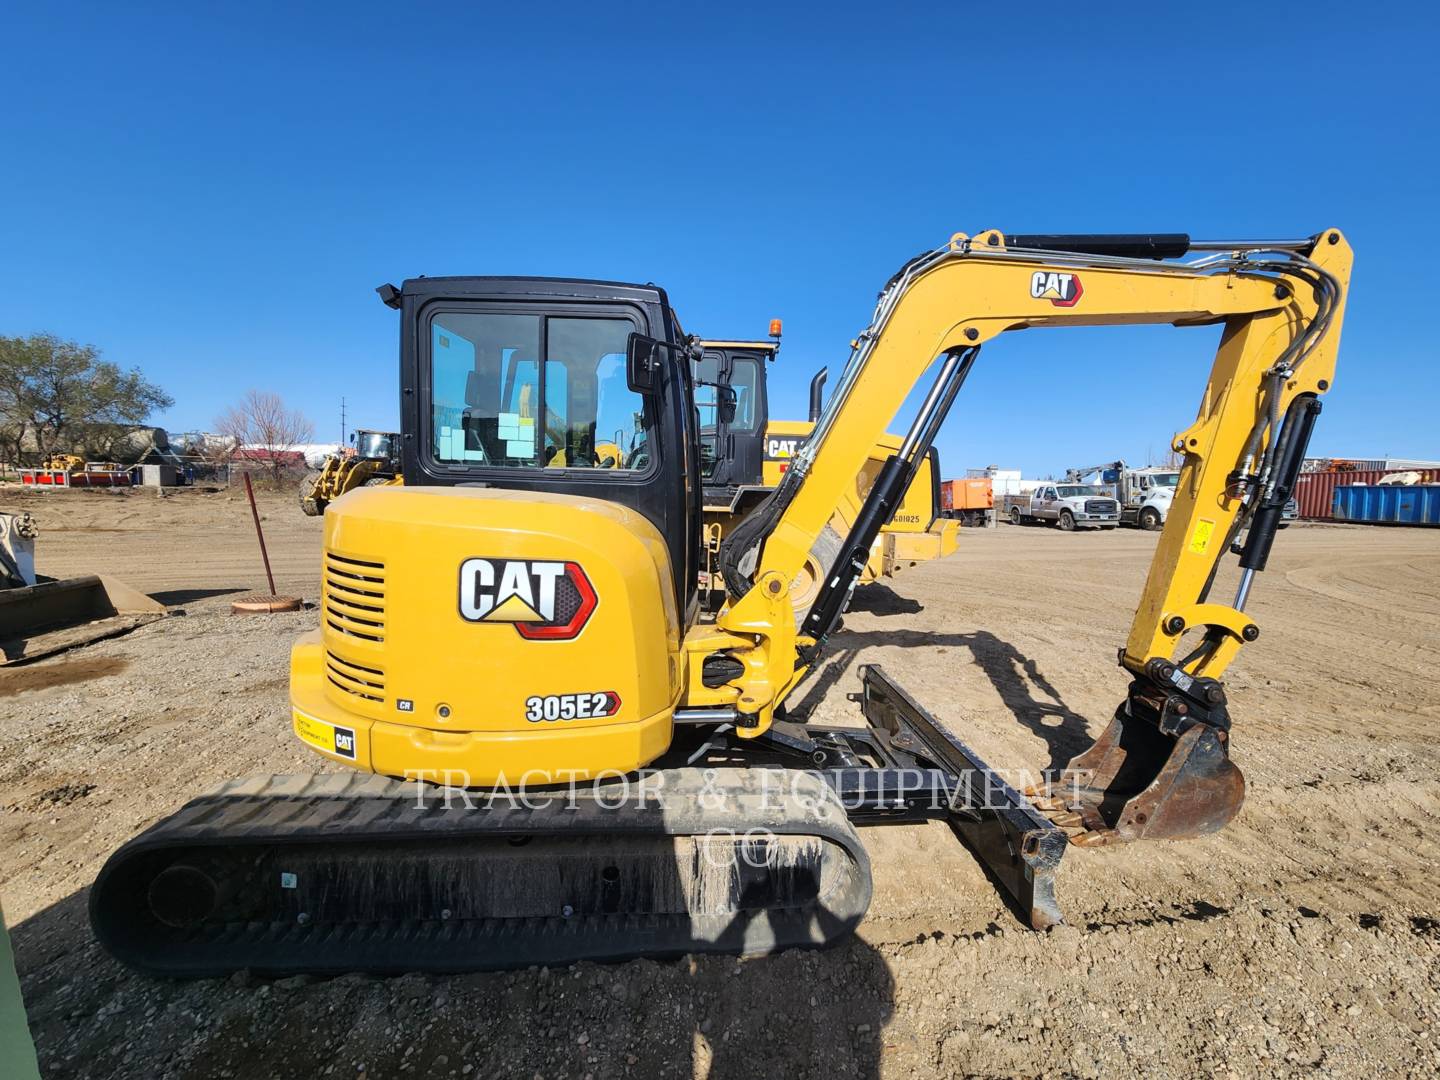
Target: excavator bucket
[1148, 777]
[39, 620]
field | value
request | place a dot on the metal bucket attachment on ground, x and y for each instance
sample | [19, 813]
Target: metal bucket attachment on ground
[1160, 771]
[47, 618]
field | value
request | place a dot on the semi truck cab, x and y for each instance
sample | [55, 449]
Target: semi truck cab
[1146, 496]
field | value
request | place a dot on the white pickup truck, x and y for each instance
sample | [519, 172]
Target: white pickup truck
[1145, 494]
[1070, 506]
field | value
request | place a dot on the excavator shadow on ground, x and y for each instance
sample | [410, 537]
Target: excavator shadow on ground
[1031, 698]
[732, 1020]
[1033, 701]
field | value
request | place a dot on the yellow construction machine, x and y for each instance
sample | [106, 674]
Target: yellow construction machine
[57, 462]
[40, 616]
[545, 755]
[373, 461]
[744, 455]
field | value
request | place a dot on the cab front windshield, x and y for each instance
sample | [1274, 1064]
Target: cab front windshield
[1165, 479]
[373, 444]
[1070, 491]
[533, 391]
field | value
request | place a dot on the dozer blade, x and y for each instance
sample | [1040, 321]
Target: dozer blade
[47, 618]
[1010, 836]
[1160, 771]
[328, 874]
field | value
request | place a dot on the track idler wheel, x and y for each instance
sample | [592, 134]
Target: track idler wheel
[182, 895]
[1160, 771]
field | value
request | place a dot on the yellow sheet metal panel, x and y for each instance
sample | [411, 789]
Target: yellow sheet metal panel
[783, 439]
[911, 547]
[463, 625]
[543, 755]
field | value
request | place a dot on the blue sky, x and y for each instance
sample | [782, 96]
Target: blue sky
[211, 192]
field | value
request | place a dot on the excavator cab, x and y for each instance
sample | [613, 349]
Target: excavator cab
[745, 452]
[522, 384]
[378, 446]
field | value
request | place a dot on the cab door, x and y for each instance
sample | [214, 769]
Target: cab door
[732, 450]
[712, 371]
[1139, 492]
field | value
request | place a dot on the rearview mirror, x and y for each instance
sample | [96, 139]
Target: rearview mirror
[725, 403]
[642, 364]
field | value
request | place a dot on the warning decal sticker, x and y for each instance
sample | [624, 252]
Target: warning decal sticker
[1200, 538]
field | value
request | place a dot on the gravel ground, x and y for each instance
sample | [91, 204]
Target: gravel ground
[1303, 938]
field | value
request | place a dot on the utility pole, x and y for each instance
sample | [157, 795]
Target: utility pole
[342, 421]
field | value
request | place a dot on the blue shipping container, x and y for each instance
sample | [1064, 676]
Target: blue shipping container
[1392, 504]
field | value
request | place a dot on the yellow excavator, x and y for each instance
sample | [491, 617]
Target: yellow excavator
[545, 756]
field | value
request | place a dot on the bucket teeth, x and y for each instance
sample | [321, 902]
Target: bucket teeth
[1049, 804]
[1095, 838]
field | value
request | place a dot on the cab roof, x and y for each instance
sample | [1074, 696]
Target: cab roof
[566, 288]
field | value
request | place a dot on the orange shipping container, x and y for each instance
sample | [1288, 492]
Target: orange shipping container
[974, 493]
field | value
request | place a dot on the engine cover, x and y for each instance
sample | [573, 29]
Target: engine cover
[481, 637]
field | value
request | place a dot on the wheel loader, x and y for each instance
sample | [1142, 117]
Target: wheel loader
[539, 753]
[373, 461]
[744, 455]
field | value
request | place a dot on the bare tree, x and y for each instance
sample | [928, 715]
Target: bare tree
[265, 432]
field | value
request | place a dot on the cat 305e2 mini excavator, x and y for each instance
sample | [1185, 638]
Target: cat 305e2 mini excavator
[633, 784]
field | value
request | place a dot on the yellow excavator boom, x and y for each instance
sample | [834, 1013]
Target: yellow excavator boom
[950, 302]
[1162, 767]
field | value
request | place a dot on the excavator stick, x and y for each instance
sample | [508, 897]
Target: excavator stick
[39, 620]
[339, 873]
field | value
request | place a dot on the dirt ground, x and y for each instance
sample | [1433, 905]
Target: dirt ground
[1305, 937]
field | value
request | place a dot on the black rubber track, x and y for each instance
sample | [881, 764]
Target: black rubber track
[326, 874]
